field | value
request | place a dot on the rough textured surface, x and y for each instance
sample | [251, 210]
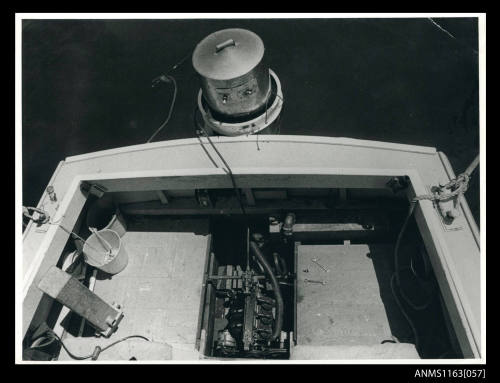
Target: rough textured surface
[160, 289]
[355, 307]
[379, 351]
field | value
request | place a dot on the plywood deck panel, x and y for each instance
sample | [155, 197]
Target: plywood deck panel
[160, 289]
[355, 306]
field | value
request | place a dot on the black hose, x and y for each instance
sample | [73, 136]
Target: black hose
[276, 287]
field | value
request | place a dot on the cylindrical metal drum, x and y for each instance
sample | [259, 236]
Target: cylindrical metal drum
[235, 81]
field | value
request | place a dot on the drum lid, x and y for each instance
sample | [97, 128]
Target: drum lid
[228, 54]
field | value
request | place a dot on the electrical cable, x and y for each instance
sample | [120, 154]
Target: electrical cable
[397, 269]
[180, 62]
[165, 78]
[228, 169]
[98, 350]
[395, 278]
[405, 314]
[172, 80]
[262, 263]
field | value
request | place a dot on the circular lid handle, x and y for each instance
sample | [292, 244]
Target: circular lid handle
[225, 44]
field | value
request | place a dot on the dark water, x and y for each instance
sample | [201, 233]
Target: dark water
[87, 84]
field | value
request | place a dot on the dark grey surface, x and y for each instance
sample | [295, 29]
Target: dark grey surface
[87, 84]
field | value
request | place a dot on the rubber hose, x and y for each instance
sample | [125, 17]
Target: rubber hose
[276, 287]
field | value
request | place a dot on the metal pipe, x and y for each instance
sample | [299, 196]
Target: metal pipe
[276, 287]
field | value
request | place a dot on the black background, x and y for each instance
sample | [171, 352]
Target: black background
[87, 84]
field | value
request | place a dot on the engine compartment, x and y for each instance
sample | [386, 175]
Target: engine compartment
[251, 287]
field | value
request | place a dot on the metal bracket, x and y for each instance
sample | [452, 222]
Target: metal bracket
[93, 189]
[203, 198]
[398, 183]
[113, 322]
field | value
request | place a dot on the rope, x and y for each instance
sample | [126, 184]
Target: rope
[458, 185]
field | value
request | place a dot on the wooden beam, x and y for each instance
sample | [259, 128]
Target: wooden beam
[336, 231]
[343, 194]
[270, 194]
[226, 205]
[229, 205]
[162, 196]
[215, 180]
[71, 293]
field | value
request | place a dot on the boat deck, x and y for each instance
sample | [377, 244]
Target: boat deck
[159, 290]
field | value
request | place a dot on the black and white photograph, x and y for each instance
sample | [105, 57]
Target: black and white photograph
[251, 188]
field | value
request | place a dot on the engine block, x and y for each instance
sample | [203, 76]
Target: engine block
[250, 315]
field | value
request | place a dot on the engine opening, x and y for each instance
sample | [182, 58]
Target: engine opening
[336, 285]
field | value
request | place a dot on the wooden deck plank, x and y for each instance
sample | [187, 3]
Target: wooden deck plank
[160, 289]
